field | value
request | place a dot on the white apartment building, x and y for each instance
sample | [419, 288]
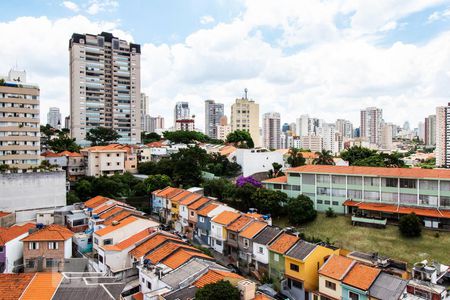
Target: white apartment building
[386, 136]
[371, 122]
[223, 129]
[19, 121]
[105, 86]
[54, 117]
[245, 116]
[311, 142]
[144, 110]
[271, 130]
[104, 160]
[345, 128]
[442, 136]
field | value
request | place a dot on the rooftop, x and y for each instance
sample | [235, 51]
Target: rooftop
[336, 267]
[183, 255]
[107, 148]
[52, 232]
[152, 243]
[361, 276]
[225, 217]
[176, 277]
[118, 217]
[96, 201]
[13, 285]
[301, 250]
[283, 243]
[213, 276]
[9, 233]
[387, 286]
[267, 235]
[238, 224]
[167, 249]
[111, 228]
[281, 179]
[199, 203]
[190, 199]
[130, 241]
[179, 196]
[42, 286]
[207, 209]
[253, 229]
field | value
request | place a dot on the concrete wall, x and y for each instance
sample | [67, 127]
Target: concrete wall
[26, 193]
[254, 161]
[14, 251]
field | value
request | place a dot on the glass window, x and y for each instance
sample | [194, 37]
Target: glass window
[408, 198]
[294, 267]
[308, 179]
[354, 194]
[319, 201]
[29, 263]
[408, 183]
[323, 191]
[339, 192]
[428, 185]
[53, 245]
[323, 178]
[330, 285]
[389, 182]
[276, 257]
[445, 201]
[338, 179]
[371, 181]
[354, 180]
[51, 262]
[353, 296]
[389, 197]
[428, 200]
[445, 186]
[370, 195]
[107, 242]
[327, 202]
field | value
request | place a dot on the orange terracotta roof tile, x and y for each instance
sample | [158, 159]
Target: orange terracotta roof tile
[165, 250]
[96, 201]
[179, 196]
[132, 240]
[171, 193]
[253, 229]
[190, 199]
[111, 212]
[119, 217]
[227, 150]
[374, 171]
[238, 224]
[4, 213]
[361, 276]
[68, 153]
[283, 243]
[12, 286]
[199, 203]
[111, 228]
[182, 256]
[9, 233]
[157, 144]
[336, 267]
[103, 208]
[207, 209]
[261, 296]
[152, 244]
[255, 216]
[309, 155]
[52, 232]
[281, 179]
[43, 286]
[138, 296]
[111, 147]
[213, 276]
[225, 217]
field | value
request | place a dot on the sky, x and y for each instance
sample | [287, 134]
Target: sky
[328, 59]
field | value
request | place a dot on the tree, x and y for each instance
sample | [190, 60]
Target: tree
[83, 189]
[150, 137]
[188, 166]
[330, 213]
[324, 158]
[101, 136]
[157, 182]
[220, 165]
[356, 153]
[221, 290]
[410, 225]
[269, 201]
[185, 137]
[4, 168]
[371, 161]
[72, 198]
[241, 138]
[295, 158]
[241, 198]
[219, 188]
[63, 143]
[275, 171]
[241, 181]
[300, 210]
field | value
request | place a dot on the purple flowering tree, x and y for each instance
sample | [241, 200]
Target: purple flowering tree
[241, 181]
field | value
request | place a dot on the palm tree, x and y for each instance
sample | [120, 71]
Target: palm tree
[324, 157]
[295, 158]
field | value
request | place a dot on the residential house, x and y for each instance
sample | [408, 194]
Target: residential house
[357, 282]
[174, 207]
[193, 208]
[72, 162]
[29, 286]
[78, 221]
[331, 275]
[162, 204]
[245, 242]
[156, 239]
[233, 230]
[418, 289]
[261, 244]
[184, 213]
[204, 222]
[11, 247]
[104, 160]
[45, 249]
[218, 229]
[302, 262]
[277, 250]
[387, 286]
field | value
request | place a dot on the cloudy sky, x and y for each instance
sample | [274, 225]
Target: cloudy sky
[327, 59]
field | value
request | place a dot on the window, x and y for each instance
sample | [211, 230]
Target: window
[354, 194]
[389, 197]
[428, 200]
[192, 213]
[96, 241]
[354, 180]
[1, 248]
[276, 257]
[431, 185]
[219, 242]
[371, 181]
[408, 183]
[338, 179]
[149, 285]
[261, 250]
[319, 201]
[368, 195]
[107, 242]
[100, 258]
[53, 245]
[445, 201]
[323, 191]
[33, 245]
[201, 219]
[353, 296]
[29, 263]
[335, 203]
[408, 198]
[294, 267]
[51, 262]
[327, 202]
[117, 154]
[246, 243]
[330, 285]
[232, 236]
[338, 192]
[297, 284]
[323, 179]
[118, 163]
[390, 182]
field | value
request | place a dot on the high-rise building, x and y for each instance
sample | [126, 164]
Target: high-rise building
[54, 117]
[67, 122]
[19, 121]
[245, 116]
[181, 111]
[430, 130]
[371, 121]
[271, 130]
[213, 112]
[285, 127]
[345, 128]
[144, 109]
[421, 131]
[302, 126]
[387, 130]
[105, 86]
[443, 136]
[156, 123]
[406, 126]
[223, 129]
[331, 140]
[311, 142]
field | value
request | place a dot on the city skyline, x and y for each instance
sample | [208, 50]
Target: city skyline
[329, 61]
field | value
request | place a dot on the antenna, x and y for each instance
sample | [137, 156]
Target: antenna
[245, 91]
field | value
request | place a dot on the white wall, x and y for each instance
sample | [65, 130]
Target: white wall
[261, 257]
[14, 251]
[253, 161]
[68, 248]
[29, 192]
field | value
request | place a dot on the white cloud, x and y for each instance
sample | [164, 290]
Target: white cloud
[96, 6]
[439, 15]
[71, 6]
[206, 20]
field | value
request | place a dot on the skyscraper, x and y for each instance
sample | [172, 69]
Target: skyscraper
[54, 117]
[181, 111]
[213, 113]
[19, 121]
[430, 130]
[245, 116]
[144, 109]
[345, 128]
[223, 129]
[443, 136]
[371, 121]
[271, 130]
[105, 86]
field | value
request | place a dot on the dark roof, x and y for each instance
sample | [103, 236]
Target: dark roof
[183, 294]
[108, 36]
[387, 286]
[267, 235]
[301, 250]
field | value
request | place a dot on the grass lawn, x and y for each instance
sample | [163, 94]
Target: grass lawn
[384, 241]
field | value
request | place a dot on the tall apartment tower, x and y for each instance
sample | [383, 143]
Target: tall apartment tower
[19, 121]
[245, 116]
[371, 122]
[181, 111]
[213, 112]
[144, 110]
[105, 86]
[345, 128]
[443, 136]
[430, 130]
[54, 117]
[272, 130]
[387, 131]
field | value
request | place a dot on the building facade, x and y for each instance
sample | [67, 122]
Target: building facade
[19, 122]
[245, 116]
[213, 112]
[105, 86]
[271, 130]
[54, 117]
[223, 129]
[371, 122]
[443, 136]
[430, 130]
[144, 110]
